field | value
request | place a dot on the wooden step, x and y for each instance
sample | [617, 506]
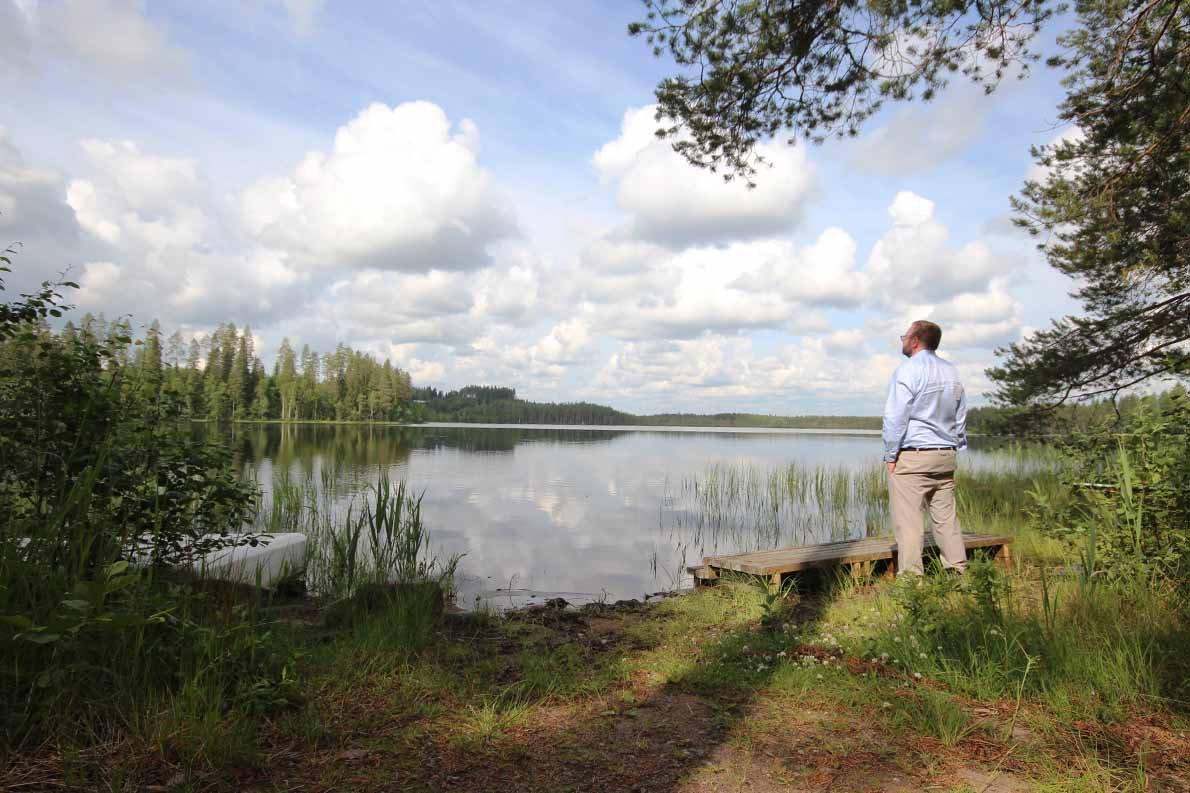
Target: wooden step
[777, 562]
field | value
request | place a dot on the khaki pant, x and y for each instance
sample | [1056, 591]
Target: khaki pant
[925, 479]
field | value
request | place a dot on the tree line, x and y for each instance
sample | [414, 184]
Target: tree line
[759, 420]
[220, 377]
[500, 405]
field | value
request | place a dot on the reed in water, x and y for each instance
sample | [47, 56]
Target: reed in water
[740, 507]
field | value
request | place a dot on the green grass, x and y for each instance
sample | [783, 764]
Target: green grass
[933, 713]
[492, 717]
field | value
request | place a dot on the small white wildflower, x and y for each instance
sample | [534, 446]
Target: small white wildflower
[781, 654]
[897, 639]
[917, 675]
[922, 655]
[886, 704]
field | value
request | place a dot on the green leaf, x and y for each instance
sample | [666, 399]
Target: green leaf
[41, 638]
[18, 621]
[123, 582]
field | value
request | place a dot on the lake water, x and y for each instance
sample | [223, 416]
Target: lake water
[586, 513]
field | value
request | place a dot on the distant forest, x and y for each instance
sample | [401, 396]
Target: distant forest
[498, 405]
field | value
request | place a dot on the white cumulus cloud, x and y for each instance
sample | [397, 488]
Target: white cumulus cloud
[164, 242]
[711, 365]
[821, 274]
[565, 343]
[914, 261]
[400, 189]
[984, 319]
[672, 202]
[695, 290]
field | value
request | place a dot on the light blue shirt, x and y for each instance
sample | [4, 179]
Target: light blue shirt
[926, 406]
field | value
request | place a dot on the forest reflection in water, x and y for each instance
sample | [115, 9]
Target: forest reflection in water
[584, 513]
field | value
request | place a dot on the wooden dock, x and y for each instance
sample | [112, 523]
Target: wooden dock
[774, 564]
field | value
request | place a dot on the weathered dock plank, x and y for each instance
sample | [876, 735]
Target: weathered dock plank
[774, 563]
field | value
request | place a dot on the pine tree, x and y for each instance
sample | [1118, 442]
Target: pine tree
[119, 340]
[71, 335]
[193, 379]
[149, 363]
[175, 348]
[229, 344]
[751, 71]
[287, 380]
[239, 391]
[1114, 210]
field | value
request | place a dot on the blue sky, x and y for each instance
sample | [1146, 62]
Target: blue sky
[472, 190]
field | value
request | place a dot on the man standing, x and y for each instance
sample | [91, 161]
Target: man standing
[925, 423]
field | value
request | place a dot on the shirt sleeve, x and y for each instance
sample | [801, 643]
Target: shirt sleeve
[960, 420]
[896, 412]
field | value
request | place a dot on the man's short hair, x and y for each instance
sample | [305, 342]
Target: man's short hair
[928, 333]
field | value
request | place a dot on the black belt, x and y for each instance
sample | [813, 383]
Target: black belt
[927, 448]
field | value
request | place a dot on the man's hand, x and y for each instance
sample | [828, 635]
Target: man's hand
[892, 467]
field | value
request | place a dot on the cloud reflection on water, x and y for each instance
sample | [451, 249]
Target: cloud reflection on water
[559, 510]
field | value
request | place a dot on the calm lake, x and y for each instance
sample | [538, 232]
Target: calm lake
[589, 513]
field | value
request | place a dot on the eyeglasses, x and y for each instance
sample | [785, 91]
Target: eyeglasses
[904, 336]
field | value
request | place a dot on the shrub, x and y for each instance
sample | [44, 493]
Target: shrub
[1128, 502]
[99, 492]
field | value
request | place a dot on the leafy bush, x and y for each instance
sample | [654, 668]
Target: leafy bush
[99, 492]
[1127, 507]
